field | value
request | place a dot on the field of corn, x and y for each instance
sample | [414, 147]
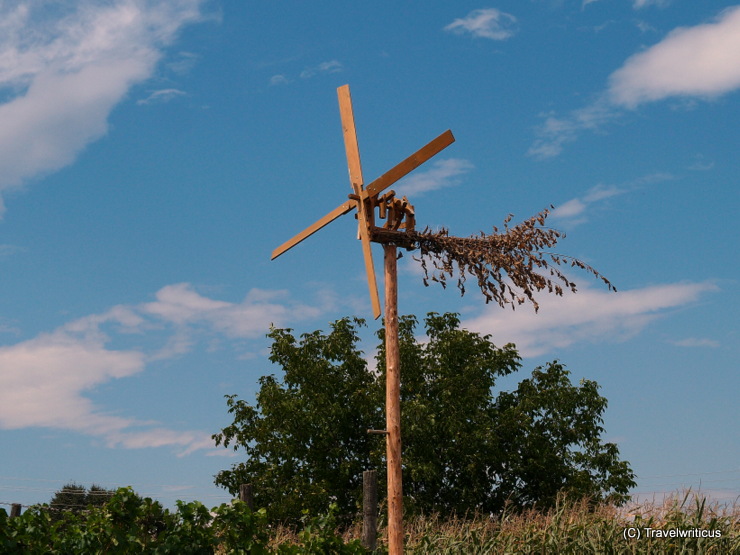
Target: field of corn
[576, 528]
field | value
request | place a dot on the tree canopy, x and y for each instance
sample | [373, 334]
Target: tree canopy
[467, 446]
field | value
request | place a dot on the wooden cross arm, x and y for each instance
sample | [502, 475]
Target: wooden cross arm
[340, 210]
[409, 164]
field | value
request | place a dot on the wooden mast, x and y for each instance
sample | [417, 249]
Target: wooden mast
[399, 215]
[393, 403]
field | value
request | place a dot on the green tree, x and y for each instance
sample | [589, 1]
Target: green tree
[306, 439]
[465, 447]
[76, 497]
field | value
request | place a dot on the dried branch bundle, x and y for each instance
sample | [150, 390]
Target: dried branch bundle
[515, 253]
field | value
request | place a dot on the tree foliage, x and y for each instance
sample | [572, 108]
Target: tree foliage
[305, 439]
[466, 446]
[76, 497]
[128, 523]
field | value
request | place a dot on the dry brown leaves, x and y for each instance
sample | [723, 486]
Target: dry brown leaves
[510, 266]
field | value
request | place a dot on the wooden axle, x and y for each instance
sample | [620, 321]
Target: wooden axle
[392, 237]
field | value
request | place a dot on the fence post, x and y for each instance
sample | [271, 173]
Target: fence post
[15, 510]
[369, 509]
[245, 494]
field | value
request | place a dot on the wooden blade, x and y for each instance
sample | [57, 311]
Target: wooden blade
[372, 284]
[310, 230]
[350, 137]
[367, 252]
[355, 177]
[409, 164]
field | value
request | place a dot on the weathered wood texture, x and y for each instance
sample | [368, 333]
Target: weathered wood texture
[393, 403]
[391, 237]
[370, 509]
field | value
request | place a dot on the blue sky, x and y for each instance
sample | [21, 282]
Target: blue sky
[153, 153]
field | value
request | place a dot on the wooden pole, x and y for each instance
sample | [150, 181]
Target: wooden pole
[393, 404]
[15, 510]
[245, 494]
[369, 509]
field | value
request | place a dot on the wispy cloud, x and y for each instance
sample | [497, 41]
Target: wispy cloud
[65, 69]
[701, 164]
[573, 211]
[639, 4]
[45, 380]
[9, 250]
[182, 306]
[279, 79]
[556, 131]
[488, 23]
[324, 68]
[590, 315]
[690, 62]
[332, 66]
[183, 63]
[442, 173]
[162, 95]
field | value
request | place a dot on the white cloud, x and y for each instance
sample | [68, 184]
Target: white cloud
[588, 315]
[65, 69]
[557, 132]
[442, 173]
[697, 62]
[333, 66]
[179, 304]
[162, 95]
[44, 381]
[184, 62]
[577, 206]
[574, 207]
[279, 80]
[601, 192]
[701, 61]
[488, 23]
[639, 4]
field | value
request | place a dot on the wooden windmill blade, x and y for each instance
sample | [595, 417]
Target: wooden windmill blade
[364, 218]
[408, 165]
[377, 186]
[340, 210]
